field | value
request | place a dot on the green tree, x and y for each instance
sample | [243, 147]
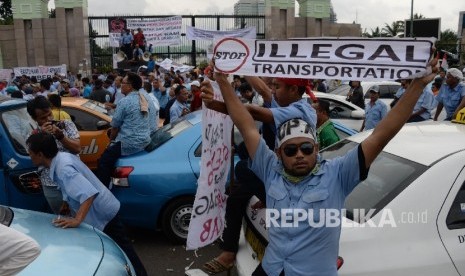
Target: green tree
[396, 29]
[448, 42]
[374, 33]
[6, 14]
[418, 16]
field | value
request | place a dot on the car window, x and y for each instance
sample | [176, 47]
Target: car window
[456, 216]
[162, 135]
[342, 90]
[338, 110]
[389, 175]
[6, 215]
[385, 92]
[19, 126]
[84, 121]
[393, 88]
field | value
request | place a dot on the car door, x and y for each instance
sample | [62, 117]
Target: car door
[451, 221]
[93, 140]
[16, 125]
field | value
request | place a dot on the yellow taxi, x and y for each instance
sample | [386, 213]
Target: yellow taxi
[92, 120]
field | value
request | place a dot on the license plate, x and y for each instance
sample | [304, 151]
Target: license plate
[255, 243]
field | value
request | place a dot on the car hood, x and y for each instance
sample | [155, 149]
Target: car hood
[59, 253]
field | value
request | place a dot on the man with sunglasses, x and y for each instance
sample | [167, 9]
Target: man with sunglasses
[296, 179]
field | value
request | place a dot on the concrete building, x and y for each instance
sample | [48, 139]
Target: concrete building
[35, 39]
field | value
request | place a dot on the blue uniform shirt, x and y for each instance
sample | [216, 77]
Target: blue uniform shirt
[299, 110]
[134, 127]
[303, 249]
[77, 184]
[374, 114]
[426, 101]
[162, 98]
[176, 110]
[451, 98]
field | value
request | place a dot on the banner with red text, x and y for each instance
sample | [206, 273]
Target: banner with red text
[163, 31]
[324, 58]
[207, 220]
[41, 72]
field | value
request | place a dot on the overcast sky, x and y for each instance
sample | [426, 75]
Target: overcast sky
[368, 13]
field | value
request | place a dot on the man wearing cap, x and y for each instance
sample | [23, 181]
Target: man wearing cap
[196, 102]
[451, 96]
[375, 110]
[296, 179]
[283, 104]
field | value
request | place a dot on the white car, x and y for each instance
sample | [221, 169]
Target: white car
[387, 90]
[343, 111]
[416, 187]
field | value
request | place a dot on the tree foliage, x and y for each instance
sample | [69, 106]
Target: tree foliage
[6, 14]
[396, 29]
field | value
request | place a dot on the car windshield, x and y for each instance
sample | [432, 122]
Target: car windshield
[19, 126]
[167, 132]
[99, 107]
[389, 175]
[6, 215]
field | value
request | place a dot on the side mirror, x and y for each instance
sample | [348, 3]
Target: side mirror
[102, 125]
[357, 114]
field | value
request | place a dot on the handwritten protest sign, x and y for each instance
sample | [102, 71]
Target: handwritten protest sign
[193, 33]
[159, 31]
[41, 72]
[324, 58]
[207, 221]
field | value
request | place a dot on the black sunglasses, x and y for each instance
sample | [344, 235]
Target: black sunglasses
[291, 149]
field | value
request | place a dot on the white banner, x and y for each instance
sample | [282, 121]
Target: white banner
[207, 220]
[193, 33]
[167, 63]
[115, 39]
[5, 74]
[164, 31]
[41, 72]
[324, 58]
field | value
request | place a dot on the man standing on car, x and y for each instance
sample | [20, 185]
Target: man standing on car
[375, 110]
[90, 200]
[132, 124]
[295, 177]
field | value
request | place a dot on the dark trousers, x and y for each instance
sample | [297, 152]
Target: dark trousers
[127, 50]
[107, 161]
[248, 184]
[115, 230]
[260, 272]
[416, 118]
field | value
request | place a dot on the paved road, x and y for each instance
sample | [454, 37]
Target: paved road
[162, 258]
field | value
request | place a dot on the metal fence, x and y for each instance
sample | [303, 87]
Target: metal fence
[188, 52]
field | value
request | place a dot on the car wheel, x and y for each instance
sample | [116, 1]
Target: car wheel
[176, 218]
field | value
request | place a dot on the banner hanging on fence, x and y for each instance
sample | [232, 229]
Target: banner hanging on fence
[193, 33]
[116, 26]
[164, 31]
[41, 72]
[207, 220]
[324, 58]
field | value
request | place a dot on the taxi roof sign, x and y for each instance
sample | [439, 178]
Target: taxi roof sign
[460, 118]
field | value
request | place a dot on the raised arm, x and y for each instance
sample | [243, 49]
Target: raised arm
[260, 86]
[396, 118]
[240, 116]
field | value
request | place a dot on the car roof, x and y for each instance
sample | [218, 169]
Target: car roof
[339, 98]
[79, 104]
[425, 142]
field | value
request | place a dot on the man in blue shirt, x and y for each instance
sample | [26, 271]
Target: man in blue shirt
[423, 107]
[161, 94]
[132, 124]
[126, 43]
[90, 200]
[294, 176]
[179, 107]
[375, 110]
[451, 95]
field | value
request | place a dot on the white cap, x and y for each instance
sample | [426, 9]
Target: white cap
[374, 88]
[196, 83]
[294, 128]
[454, 72]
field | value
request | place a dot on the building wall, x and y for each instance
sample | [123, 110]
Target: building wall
[34, 39]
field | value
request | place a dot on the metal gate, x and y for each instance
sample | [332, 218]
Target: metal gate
[188, 52]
